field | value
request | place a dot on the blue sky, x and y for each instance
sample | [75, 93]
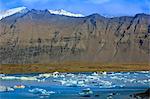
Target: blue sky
[85, 7]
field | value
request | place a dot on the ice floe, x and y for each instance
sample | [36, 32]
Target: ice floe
[17, 78]
[41, 92]
[86, 92]
[45, 85]
[98, 79]
[5, 89]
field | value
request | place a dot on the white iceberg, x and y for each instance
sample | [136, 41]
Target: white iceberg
[86, 92]
[5, 89]
[9, 78]
[18, 78]
[95, 74]
[2, 75]
[46, 75]
[28, 78]
[42, 92]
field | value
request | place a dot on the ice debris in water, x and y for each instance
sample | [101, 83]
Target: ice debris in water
[42, 92]
[46, 75]
[86, 92]
[54, 75]
[97, 79]
[5, 89]
[2, 75]
[17, 78]
[72, 83]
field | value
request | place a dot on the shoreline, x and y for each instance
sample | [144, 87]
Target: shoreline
[71, 67]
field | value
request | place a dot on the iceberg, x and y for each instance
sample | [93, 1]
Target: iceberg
[5, 89]
[72, 83]
[46, 75]
[70, 75]
[18, 78]
[86, 92]
[28, 78]
[42, 92]
[95, 74]
[2, 75]
[9, 78]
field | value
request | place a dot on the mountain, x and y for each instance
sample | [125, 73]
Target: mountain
[66, 13]
[38, 36]
[10, 12]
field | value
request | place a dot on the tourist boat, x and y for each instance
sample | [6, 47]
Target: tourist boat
[19, 86]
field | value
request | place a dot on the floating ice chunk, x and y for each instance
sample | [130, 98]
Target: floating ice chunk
[46, 75]
[18, 78]
[103, 84]
[5, 89]
[72, 83]
[115, 77]
[28, 78]
[2, 75]
[95, 74]
[86, 92]
[55, 74]
[104, 73]
[42, 92]
[79, 83]
[144, 71]
[92, 77]
[9, 78]
[108, 83]
[118, 86]
[144, 81]
[109, 97]
[62, 76]
[61, 81]
[41, 80]
[70, 75]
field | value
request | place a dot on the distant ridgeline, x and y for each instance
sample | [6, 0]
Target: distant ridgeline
[37, 36]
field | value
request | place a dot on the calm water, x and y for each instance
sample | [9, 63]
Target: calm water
[111, 85]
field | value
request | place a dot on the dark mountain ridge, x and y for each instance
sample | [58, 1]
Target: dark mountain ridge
[38, 36]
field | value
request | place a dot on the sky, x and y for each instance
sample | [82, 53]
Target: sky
[85, 7]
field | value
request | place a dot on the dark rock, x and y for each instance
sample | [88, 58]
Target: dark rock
[41, 37]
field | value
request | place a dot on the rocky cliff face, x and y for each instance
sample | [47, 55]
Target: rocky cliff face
[41, 37]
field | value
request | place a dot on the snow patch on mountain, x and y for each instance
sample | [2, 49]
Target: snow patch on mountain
[66, 13]
[9, 12]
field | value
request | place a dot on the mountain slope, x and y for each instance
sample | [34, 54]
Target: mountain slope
[10, 12]
[66, 13]
[42, 37]
[13, 11]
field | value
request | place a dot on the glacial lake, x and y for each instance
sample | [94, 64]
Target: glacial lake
[110, 85]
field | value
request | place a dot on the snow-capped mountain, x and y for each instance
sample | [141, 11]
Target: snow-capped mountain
[9, 12]
[66, 13]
